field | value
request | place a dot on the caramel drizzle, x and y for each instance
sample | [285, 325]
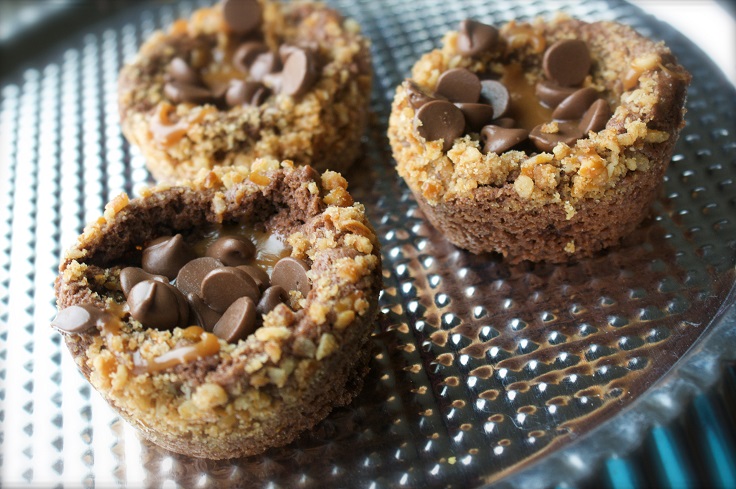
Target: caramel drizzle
[168, 133]
[525, 107]
[207, 345]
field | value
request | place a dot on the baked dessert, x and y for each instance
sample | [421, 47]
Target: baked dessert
[541, 141]
[246, 79]
[228, 314]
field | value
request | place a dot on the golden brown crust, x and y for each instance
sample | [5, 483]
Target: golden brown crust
[321, 128]
[542, 206]
[285, 377]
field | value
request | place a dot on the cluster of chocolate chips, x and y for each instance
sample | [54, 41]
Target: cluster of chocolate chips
[293, 70]
[221, 291]
[577, 110]
[463, 102]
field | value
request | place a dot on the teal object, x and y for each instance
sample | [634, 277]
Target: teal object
[716, 446]
[622, 474]
[672, 468]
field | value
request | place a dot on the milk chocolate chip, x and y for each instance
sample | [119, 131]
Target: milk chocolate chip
[129, 276]
[232, 250]
[179, 92]
[574, 106]
[568, 133]
[242, 16]
[440, 120]
[596, 117]
[189, 279]
[205, 316]
[475, 37]
[222, 286]
[247, 53]
[238, 321]
[183, 73]
[240, 92]
[459, 85]
[80, 318]
[264, 64]
[567, 62]
[291, 273]
[166, 255]
[272, 297]
[499, 139]
[496, 94]
[300, 72]
[551, 94]
[417, 95]
[506, 122]
[476, 115]
[158, 305]
[258, 274]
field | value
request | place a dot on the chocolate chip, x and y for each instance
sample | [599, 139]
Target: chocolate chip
[475, 37]
[232, 250]
[574, 106]
[499, 139]
[218, 91]
[506, 122]
[476, 115]
[189, 279]
[263, 65]
[179, 92]
[183, 73]
[567, 62]
[459, 85]
[242, 16]
[80, 318]
[551, 94]
[568, 133]
[166, 255]
[291, 274]
[596, 117]
[238, 321]
[273, 82]
[235, 95]
[417, 95]
[205, 316]
[441, 120]
[495, 93]
[158, 305]
[246, 93]
[247, 53]
[222, 286]
[129, 276]
[300, 72]
[258, 274]
[272, 297]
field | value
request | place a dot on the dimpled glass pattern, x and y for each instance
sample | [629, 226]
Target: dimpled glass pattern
[481, 373]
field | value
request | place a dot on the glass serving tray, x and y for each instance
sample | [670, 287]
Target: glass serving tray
[482, 373]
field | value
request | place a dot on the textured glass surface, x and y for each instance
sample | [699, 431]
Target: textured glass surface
[482, 372]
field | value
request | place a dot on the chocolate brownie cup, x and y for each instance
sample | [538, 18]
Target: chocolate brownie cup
[228, 314]
[246, 79]
[541, 141]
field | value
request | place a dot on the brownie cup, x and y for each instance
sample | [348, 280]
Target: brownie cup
[246, 79]
[541, 141]
[228, 314]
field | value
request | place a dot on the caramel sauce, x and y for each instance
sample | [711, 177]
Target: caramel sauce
[168, 133]
[111, 327]
[520, 35]
[207, 345]
[270, 246]
[219, 74]
[525, 107]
